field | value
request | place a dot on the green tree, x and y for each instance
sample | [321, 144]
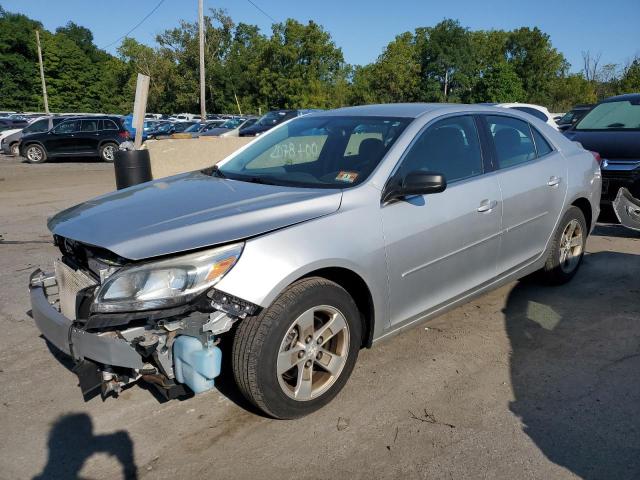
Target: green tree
[500, 84]
[630, 81]
[446, 60]
[536, 62]
[394, 77]
[20, 81]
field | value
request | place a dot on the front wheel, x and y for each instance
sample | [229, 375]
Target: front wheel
[35, 154]
[297, 354]
[567, 248]
[108, 152]
[15, 150]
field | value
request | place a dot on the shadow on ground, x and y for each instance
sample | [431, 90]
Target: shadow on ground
[72, 442]
[575, 367]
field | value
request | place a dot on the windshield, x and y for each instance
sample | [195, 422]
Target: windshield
[320, 152]
[194, 128]
[622, 115]
[273, 118]
[567, 117]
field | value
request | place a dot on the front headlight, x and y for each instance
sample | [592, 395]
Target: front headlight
[165, 283]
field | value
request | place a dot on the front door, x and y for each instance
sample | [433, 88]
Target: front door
[442, 245]
[62, 139]
[533, 180]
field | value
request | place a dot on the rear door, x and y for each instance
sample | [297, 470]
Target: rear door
[442, 245]
[533, 181]
[89, 136]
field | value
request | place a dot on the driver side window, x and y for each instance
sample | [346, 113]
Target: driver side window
[450, 147]
[68, 127]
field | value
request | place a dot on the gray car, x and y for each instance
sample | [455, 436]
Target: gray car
[325, 235]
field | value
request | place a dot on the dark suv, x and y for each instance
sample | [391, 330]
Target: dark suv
[10, 143]
[74, 137]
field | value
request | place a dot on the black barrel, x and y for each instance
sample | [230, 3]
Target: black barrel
[132, 167]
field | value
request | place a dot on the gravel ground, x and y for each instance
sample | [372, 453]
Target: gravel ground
[524, 382]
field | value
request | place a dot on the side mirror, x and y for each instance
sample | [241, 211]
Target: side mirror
[414, 183]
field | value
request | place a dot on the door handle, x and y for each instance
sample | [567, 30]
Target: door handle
[487, 205]
[554, 181]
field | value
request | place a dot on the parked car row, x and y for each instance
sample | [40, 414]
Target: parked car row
[612, 128]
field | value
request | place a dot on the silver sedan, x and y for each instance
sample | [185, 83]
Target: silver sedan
[321, 237]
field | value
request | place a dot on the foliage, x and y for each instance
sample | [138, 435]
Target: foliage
[296, 65]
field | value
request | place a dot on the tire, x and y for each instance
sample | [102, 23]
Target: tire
[15, 151]
[108, 151]
[259, 342]
[34, 153]
[560, 268]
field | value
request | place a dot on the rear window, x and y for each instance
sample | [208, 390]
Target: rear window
[109, 125]
[512, 140]
[542, 146]
[90, 125]
[622, 115]
[534, 112]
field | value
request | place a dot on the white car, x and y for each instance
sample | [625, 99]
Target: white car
[536, 110]
[6, 133]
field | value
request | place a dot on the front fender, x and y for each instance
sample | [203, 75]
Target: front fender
[351, 239]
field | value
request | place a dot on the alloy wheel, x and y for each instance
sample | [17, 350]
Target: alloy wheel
[313, 353]
[34, 154]
[571, 246]
[108, 153]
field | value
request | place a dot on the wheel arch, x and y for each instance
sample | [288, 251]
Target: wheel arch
[355, 285]
[28, 143]
[585, 206]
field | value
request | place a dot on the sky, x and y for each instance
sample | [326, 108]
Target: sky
[363, 28]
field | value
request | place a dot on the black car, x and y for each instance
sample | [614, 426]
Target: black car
[270, 120]
[573, 116]
[74, 137]
[167, 129]
[10, 143]
[612, 129]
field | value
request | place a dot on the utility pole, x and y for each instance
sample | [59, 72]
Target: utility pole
[203, 112]
[44, 85]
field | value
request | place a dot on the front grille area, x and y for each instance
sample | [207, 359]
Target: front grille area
[70, 282]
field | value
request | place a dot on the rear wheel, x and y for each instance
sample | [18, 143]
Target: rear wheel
[567, 250]
[296, 355]
[35, 154]
[108, 152]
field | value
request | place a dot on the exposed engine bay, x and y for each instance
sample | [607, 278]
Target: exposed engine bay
[173, 348]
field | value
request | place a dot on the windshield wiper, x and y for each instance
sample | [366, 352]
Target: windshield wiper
[214, 171]
[260, 180]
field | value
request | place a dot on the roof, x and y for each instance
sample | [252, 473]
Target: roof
[409, 110]
[629, 97]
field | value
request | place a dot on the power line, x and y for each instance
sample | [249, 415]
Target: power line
[265, 13]
[137, 25]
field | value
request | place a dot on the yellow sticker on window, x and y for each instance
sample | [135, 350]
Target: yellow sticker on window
[348, 177]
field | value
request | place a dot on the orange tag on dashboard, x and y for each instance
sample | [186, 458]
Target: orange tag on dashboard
[348, 177]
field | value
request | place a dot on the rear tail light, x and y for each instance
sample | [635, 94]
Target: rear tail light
[124, 134]
[597, 157]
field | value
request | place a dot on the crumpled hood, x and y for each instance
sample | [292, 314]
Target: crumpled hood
[186, 212]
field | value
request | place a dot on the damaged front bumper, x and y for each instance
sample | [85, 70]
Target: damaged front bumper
[80, 345]
[169, 354]
[627, 209]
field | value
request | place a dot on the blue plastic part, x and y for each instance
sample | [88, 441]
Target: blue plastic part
[196, 365]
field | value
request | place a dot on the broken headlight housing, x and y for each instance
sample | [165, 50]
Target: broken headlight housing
[165, 283]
